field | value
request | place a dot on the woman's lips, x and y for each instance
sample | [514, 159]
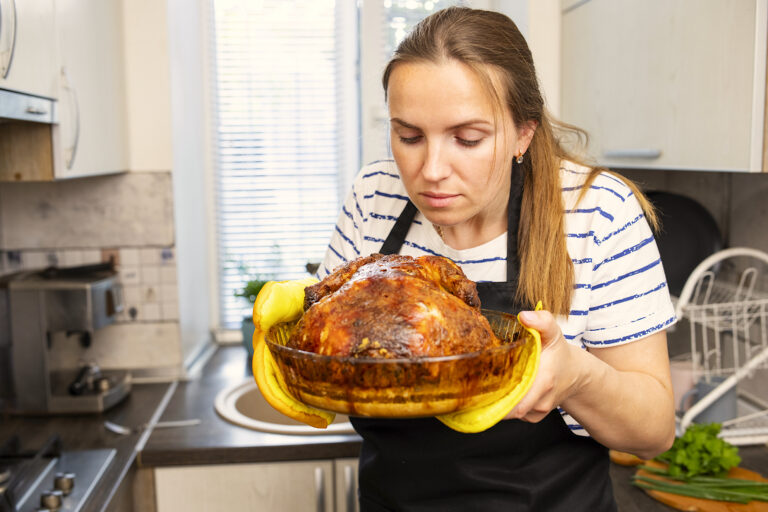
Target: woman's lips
[436, 200]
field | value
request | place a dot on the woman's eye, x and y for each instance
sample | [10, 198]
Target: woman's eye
[467, 142]
[410, 140]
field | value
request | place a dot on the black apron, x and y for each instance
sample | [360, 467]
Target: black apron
[422, 465]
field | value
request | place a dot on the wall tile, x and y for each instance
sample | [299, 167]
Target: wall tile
[132, 294]
[14, 261]
[129, 256]
[168, 293]
[91, 256]
[149, 293]
[150, 256]
[150, 275]
[167, 256]
[129, 276]
[137, 345]
[170, 310]
[35, 259]
[150, 312]
[71, 258]
[168, 274]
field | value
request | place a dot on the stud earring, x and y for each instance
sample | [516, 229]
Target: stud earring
[520, 157]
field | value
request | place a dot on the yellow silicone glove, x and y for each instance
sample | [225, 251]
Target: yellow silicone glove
[481, 418]
[279, 302]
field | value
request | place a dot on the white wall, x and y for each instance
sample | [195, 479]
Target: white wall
[147, 73]
[544, 40]
[188, 60]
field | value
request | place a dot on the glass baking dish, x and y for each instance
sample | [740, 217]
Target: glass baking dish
[402, 388]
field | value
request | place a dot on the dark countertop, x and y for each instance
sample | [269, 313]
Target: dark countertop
[85, 432]
[215, 440]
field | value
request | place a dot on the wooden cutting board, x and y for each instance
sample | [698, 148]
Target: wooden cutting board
[701, 505]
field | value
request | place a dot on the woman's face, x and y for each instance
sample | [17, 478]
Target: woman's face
[453, 154]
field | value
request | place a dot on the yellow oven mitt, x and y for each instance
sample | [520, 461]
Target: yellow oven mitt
[481, 418]
[276, 303]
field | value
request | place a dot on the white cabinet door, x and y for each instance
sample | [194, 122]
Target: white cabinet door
[346, 485]
[305, 486]
[28, 47]
[91, 137]
[669, 85]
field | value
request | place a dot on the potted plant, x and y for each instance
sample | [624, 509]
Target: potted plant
[249, 291]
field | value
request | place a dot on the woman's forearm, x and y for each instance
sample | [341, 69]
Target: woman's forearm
[627, 409]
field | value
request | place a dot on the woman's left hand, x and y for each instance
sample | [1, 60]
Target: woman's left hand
[557, 376]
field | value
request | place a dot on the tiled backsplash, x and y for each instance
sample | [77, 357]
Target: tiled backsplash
[148, 276]
[125, 217]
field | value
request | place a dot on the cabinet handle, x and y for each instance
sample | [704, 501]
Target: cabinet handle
[320, 489]
[648, 154]
[350, 489]
[36, 111]
[7, 33]
[575, 5]
[71, 151]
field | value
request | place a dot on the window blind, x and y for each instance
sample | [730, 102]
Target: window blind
[281, 95]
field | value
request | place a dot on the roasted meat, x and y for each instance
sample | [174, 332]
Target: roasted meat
[393, 307]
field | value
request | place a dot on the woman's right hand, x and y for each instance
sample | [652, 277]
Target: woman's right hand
[558, 374]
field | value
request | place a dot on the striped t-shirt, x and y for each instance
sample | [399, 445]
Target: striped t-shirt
[620, 291]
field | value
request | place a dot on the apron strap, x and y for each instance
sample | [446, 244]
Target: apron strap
[396, 237]
[513, 221]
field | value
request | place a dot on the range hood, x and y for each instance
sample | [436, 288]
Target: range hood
[16, 106]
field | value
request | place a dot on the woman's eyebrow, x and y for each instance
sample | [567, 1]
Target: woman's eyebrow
[403, 123]
[454, 127]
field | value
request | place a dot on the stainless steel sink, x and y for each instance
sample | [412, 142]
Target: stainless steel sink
[243, 405]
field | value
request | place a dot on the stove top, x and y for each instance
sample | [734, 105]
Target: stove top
[48, 478]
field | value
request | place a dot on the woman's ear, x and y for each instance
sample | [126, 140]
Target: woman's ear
[525, 135]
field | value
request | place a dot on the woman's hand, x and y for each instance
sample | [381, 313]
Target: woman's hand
[621, 394]
[557, 376]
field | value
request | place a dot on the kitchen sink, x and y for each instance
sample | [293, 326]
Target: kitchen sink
[244, 405]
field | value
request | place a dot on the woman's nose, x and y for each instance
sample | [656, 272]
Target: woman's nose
[436, 166]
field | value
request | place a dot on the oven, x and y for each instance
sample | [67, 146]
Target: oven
[48, 477]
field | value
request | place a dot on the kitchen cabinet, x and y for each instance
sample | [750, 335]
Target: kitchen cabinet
[89, 136]
[345, 479]
[268, 487]
[92, 132]
[27, 47]
[667, 85]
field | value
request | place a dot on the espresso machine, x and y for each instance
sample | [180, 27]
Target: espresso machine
[75, 301]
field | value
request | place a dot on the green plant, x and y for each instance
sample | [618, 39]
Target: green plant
[252, 281]
[700, 452]
[251, 289]
[706, 487]
[698, 465]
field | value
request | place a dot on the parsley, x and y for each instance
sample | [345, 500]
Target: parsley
[699, 452]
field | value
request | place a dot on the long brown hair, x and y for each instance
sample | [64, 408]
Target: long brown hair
[489, 41]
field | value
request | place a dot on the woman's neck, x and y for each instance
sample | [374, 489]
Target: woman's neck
[472, 233]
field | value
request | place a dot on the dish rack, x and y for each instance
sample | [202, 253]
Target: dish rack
[726, 304]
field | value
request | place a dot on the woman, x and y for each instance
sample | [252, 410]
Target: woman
[480, 177]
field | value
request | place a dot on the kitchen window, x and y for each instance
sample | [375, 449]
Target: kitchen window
[293, 118]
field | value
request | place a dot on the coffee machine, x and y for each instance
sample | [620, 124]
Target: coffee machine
[76, 301]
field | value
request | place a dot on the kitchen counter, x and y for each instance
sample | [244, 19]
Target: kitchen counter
[215, 441]
[86, 431]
